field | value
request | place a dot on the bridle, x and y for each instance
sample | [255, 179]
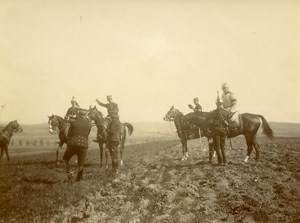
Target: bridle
[53, 125]
[168, 117]
[17, 128]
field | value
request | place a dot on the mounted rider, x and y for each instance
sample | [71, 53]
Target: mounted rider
[229, 104]
[198, 107]
[114, 129]
[71, 114]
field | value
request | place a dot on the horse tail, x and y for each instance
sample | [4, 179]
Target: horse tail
[129, 127]
[266, 128]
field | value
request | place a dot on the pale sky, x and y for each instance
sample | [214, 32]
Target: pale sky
[149, 55]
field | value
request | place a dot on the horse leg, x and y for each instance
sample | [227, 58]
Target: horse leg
[249, 140]
[57, 154]
[217, 145]
[106, 156]
[6, 152]
[122, 146]
[257, 148]
[211, 151]
[222, 144]
[101, 153]
[2, 150]
[184, 148]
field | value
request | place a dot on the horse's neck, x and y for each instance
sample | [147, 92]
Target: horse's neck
[99, 121]
[61, 122]
[8, 129]
[177, 120]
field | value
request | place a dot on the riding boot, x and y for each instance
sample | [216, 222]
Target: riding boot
[79, 174]
[224, 162]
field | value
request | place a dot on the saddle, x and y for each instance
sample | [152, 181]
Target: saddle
[235, 121]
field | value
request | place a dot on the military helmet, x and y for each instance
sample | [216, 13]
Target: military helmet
[196, 99]
[109, 97]
[73, 100]
[224, 85]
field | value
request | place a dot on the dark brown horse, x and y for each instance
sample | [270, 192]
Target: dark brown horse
[102, 124]
[5, 135]
[251, 125]
[187, 127]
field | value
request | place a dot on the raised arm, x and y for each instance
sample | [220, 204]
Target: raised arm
[101, 104]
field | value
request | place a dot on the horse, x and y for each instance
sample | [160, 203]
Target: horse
[5, 135]
[250, 127]
[187, 128]
[57, 124]
[102, 124]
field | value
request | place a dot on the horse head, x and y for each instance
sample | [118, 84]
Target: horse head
[16, 126]
[53, 124]
[171, 114]
[94, 114]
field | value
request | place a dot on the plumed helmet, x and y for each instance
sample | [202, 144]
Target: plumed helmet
[109, 97]
[73, 100]
[224, 85]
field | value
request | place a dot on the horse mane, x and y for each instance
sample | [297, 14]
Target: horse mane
[58, 117]
[8, 125]
[98, 112]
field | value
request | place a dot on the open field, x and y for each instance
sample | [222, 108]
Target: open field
[156, 186]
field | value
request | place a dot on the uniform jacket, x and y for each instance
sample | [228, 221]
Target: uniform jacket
[79, 132]
[72, 112]
[198, 108]
[229, 101]
[112, 109]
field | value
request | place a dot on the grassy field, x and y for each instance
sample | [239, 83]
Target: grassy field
[154, 185]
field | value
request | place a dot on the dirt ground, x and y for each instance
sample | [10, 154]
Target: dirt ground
[154, 185]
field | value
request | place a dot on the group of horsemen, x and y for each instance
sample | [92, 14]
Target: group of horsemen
[79, 129]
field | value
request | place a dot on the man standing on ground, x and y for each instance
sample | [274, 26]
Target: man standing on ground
[77, 143]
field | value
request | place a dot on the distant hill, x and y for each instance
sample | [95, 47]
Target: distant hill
[161, 130]
[285, 129]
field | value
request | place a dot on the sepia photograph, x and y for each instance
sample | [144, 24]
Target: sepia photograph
[138, 111]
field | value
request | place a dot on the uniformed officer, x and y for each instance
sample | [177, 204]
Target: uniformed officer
[73, 110]
[229, 104]
[77, 143]
[114, 129]
[197, 107]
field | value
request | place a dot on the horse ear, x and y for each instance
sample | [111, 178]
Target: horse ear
[95, 107]
[90, 106]
[172, 107]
